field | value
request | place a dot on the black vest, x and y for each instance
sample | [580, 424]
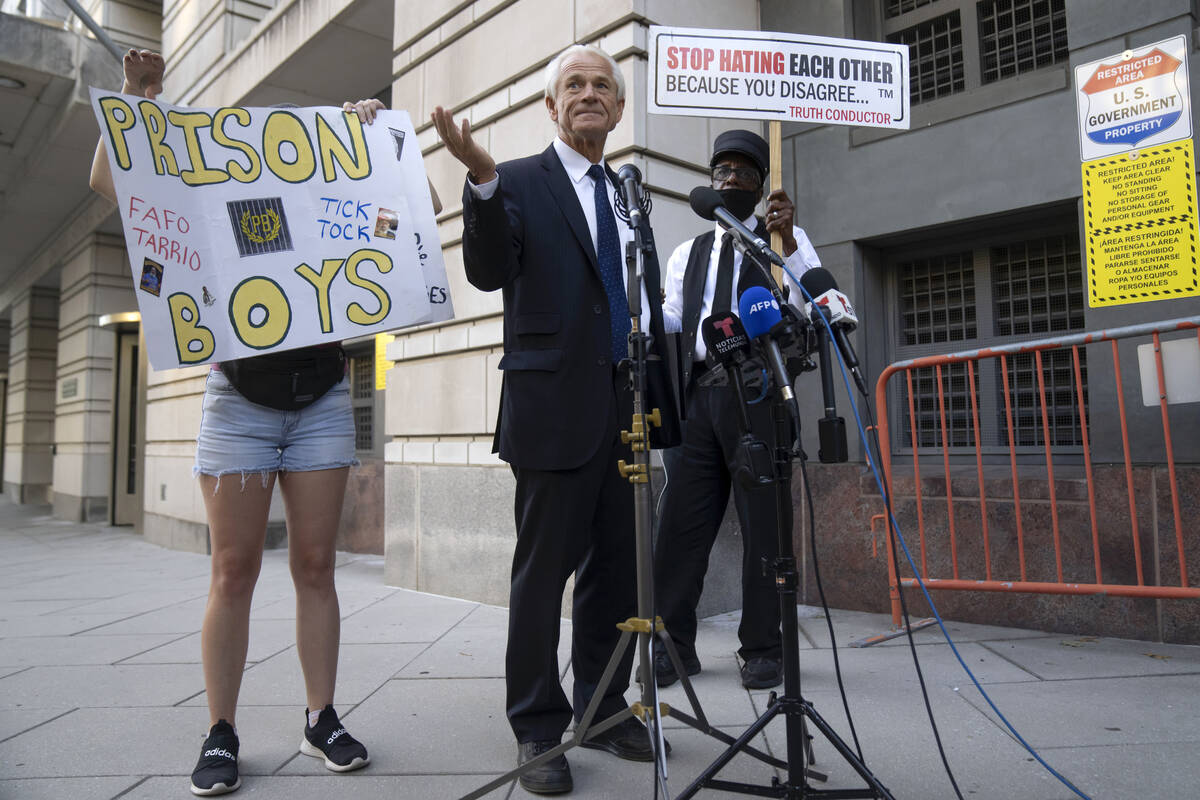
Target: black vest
[694, 279]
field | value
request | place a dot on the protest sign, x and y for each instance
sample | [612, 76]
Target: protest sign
[778, 76]
[259, 229]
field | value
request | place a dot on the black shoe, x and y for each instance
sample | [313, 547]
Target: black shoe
[217, 770]
[628, 739]
[552, 777]
[329, 740]
[762, 672]
[664, 670]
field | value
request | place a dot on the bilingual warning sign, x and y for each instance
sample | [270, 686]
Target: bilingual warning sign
[1138, 98]
[1140, 222]
[778, 76]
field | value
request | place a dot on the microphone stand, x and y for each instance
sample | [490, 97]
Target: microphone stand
[796, 710]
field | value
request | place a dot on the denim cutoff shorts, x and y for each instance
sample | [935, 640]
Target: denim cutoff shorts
[237, 436]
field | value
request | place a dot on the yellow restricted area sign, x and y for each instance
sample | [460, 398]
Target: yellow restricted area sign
[1140, 220]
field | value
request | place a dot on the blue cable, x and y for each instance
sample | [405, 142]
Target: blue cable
[912, 564]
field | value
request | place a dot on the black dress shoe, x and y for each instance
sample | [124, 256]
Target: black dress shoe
[664, 670]
[552, 777]
[628, 739]
[762, 672]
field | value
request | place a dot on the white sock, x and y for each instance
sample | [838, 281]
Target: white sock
[313, 716]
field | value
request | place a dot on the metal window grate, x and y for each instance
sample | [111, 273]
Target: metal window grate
[937, 299]
[935, 57]
[364, 431]
[1037, 287]
[1062, 414]
[1037, 290]
[897, 7]
[1017, 36]
[956, 389]
[363, 372]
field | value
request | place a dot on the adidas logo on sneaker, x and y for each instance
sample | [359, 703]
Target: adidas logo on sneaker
[329, 741]
[219, 751]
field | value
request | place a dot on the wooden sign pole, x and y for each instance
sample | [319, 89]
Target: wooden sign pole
[775, 140]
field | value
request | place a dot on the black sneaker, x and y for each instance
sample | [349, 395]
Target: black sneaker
[329, 740]
[762, 672]
[217, 770]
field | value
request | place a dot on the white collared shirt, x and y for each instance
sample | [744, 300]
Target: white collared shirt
[804, 258]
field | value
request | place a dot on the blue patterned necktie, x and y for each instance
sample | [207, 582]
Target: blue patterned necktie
[608, 257]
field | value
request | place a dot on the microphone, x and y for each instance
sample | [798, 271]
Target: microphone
[707, 203]
[729, 346]
[761, 313]
[629, 179]
[829, 302]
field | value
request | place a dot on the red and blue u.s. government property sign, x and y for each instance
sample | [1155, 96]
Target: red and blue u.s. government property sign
[1137, 99]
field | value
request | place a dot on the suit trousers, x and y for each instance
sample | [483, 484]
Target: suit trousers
[690, 512]
[578, 520]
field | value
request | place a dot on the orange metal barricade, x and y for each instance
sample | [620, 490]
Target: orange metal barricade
[977, 570]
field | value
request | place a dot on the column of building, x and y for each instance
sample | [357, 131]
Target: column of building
[29, 406]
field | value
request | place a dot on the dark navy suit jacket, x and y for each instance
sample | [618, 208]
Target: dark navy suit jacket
[531, 240]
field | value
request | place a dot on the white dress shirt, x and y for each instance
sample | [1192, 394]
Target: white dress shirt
[804, 258]
[577, 166]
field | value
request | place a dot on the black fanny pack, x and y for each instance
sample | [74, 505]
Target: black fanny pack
[287, 381]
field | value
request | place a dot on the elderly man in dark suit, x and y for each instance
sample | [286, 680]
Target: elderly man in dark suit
[542, 230]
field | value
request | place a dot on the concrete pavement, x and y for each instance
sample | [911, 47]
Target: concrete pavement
[101, 694]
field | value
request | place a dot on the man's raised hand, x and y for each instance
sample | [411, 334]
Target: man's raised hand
[462, 146]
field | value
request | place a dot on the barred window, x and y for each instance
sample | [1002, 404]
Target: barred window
[1017, 36]
[995, 293]
[937, 299]
[935, 57]
[897, 7]
[1037, 289]
[362, 398]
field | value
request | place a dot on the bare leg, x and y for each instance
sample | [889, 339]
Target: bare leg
[313, 503]
[237, 524]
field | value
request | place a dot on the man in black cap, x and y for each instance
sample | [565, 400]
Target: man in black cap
[705, 276]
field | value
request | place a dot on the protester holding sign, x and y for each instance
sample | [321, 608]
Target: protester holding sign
[706, 276]
[542, 230]
[282, 416]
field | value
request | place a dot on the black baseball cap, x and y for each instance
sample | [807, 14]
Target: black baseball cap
[747, 143]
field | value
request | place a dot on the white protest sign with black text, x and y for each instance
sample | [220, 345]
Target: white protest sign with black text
[778, 76]
[259, 229]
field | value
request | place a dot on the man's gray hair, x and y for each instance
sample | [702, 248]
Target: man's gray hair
[554, 68]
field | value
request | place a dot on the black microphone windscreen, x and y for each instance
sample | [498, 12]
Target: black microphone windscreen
[705, 201]
[817, 281]
[724, 336]
[628, 171]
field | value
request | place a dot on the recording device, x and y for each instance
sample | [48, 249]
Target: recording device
[633, 202]
[831, 429]
[707, 203]
[728, 345]
[828, 301]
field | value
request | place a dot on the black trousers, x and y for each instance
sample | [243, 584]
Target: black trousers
[690, 512]
[580, 521]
